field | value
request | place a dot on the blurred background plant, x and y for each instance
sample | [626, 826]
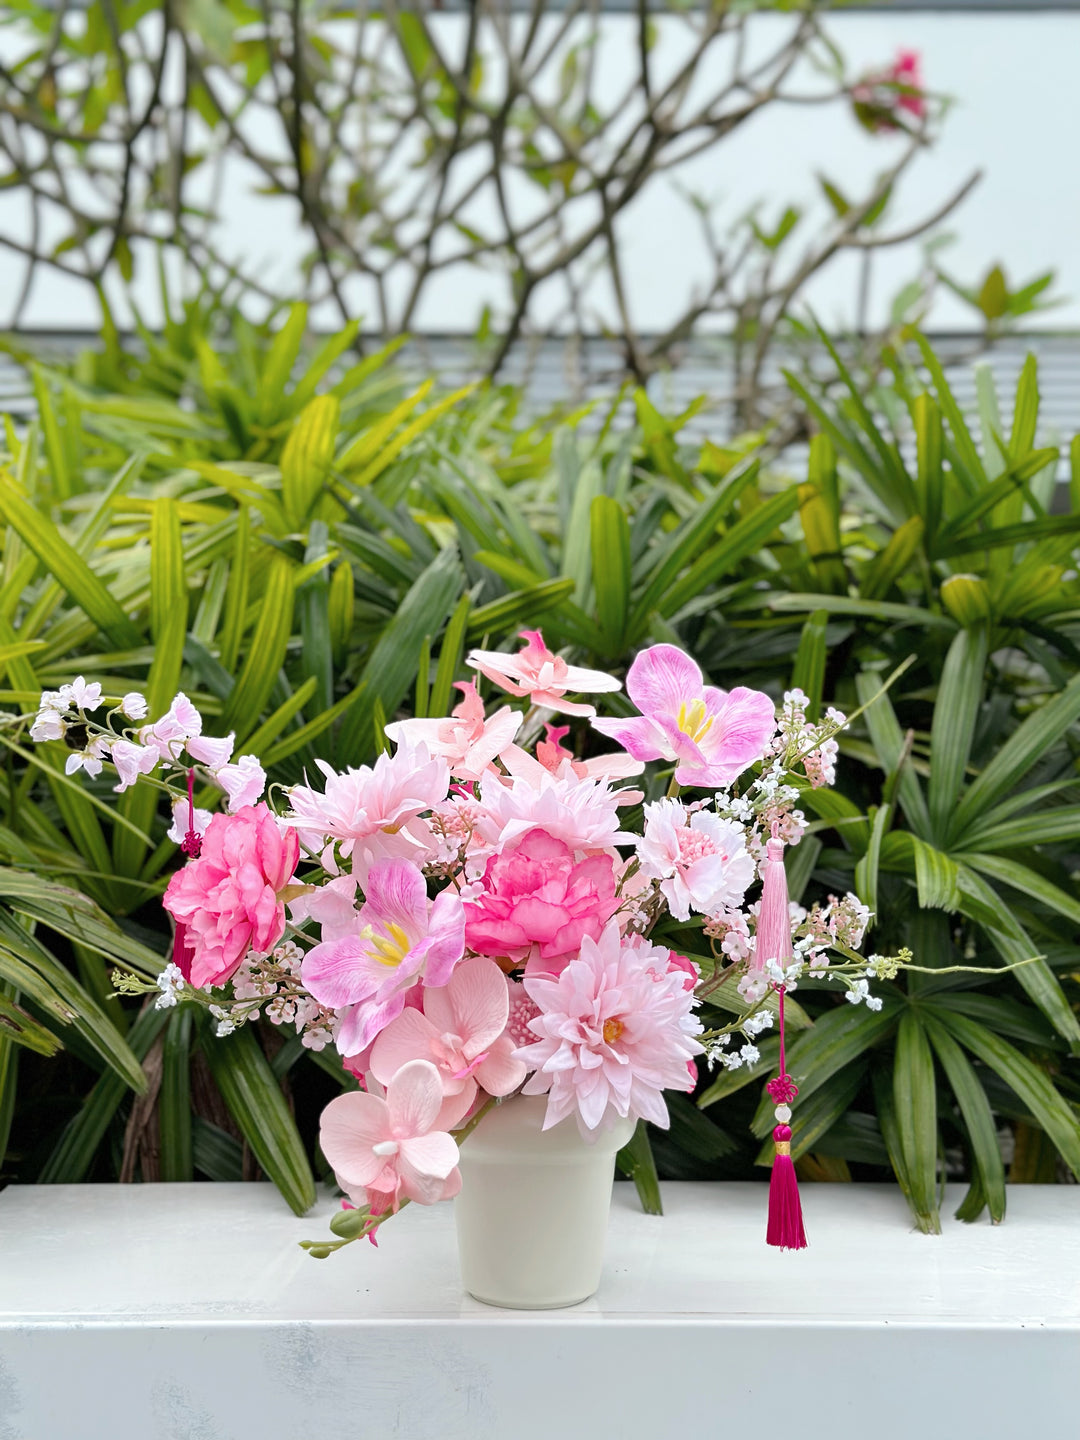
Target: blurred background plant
[306, 543]
[511, 154]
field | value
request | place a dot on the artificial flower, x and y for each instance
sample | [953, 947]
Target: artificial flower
[400, 937]
[581, 813]
[389, 1147]
[542, 675]
[169, 735]
[700, 860]
[232, 899]
[536, 903]
[243, 781]
[467, 740]
[712, 735]
[614, 1034]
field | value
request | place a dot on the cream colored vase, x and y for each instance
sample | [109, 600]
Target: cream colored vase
[533, 1209]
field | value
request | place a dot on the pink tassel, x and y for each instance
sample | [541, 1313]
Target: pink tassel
[774, 943]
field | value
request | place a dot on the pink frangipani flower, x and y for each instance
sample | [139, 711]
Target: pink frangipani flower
[542, 675]
[537, 903]
[467, 740]
[713, 735]
[232, 899]
[462, 1032]
[616, 1029]
[403, 937]
[389, 1148]
[701, 861]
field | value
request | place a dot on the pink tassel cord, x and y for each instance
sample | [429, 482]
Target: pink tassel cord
[774, 943]
[191, 845]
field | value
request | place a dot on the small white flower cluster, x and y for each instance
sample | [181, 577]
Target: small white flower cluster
[717, 1053]
[814, 746]
[859, 993]
[275, 980]
[839, 922]
[170, 982]
[136, 753]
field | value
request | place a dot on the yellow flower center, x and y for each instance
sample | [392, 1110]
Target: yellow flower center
[389, 949]
[694, 720]
[612, 1030]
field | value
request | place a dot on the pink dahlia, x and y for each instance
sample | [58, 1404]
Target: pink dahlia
[402, 937]
[537, 903]
[583, 813]
[615, 1031]
[711, 734]
[232, 899]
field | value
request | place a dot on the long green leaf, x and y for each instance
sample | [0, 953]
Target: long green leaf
[978, 1117]
[915, 1098]
[955, 713]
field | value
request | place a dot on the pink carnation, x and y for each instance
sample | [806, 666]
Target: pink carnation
[537, 904]
[616, 1030]
[231, 900]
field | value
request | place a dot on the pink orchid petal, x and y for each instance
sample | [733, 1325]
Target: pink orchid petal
[335, 974]
[435, 1154]
[413, 1098]
[639, 736]
[407, 1037]
[500, 1072]
[661, 679]
[351, 1124]
[455, 1108]
[475, 1004]
[396, 891]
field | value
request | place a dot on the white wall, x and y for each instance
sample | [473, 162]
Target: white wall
[1017, 116]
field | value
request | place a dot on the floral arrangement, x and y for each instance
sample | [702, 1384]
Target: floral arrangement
[479, 912]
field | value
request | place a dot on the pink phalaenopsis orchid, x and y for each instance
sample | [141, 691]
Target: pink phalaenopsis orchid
[232, 899]
[461, 1031]
[468, 740]
[542, 675]
[712, 735]
[616, 1030]
[389, 1148]
[401, 937]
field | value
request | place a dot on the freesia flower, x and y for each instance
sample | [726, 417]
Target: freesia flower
[90, 758]
[169, 735]
[243, 781]
[210, 751]
[131, 761]
[537, 903]
[712, 734]
[134, 706]
[402, 936]
[467, 740]
[372, 804]
[389, 1147]
[461, 1031]
[232, 899]
[582, 813]
[542, 675]
[81, 695]
[48, 724]
[614, 1034]
[700, 860]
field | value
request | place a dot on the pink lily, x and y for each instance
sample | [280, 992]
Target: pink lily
[402, 937]
[712, 734]
[542, 675]
[390, 1148]
[467, 740]
[462, 1032]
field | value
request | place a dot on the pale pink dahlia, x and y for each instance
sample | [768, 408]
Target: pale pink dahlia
[701, 861]
[614, 1033]
[581, 812]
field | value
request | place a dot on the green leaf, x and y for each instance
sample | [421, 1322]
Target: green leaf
[280, 360]
[915, 1099]
[242, 1073]
[744, 539]
[307, 456]
[888, 741]
[453, 646]
[68, 568]
[519, 607]
[978, 1117]
[729, 1081]
[1033, 1085]
[174, 1103]
[808, 674]
[635, 1160]
[610, 535]
[266, 652]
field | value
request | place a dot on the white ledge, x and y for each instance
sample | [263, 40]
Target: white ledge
[188, 1312]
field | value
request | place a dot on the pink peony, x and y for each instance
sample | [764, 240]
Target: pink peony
[231, 899]
[403, 937]
[616, 1030]
[542, 675]
[713, 735]
[537, 904]
[467, 740]
[700, 860]
[461, 1031]
[385, 1150]
[371, 807]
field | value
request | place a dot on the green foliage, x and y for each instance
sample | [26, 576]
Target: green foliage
[307, 548]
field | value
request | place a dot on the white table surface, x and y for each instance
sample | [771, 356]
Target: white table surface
[188, 1312]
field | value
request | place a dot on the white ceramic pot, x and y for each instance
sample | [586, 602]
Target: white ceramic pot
[533, 1209]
